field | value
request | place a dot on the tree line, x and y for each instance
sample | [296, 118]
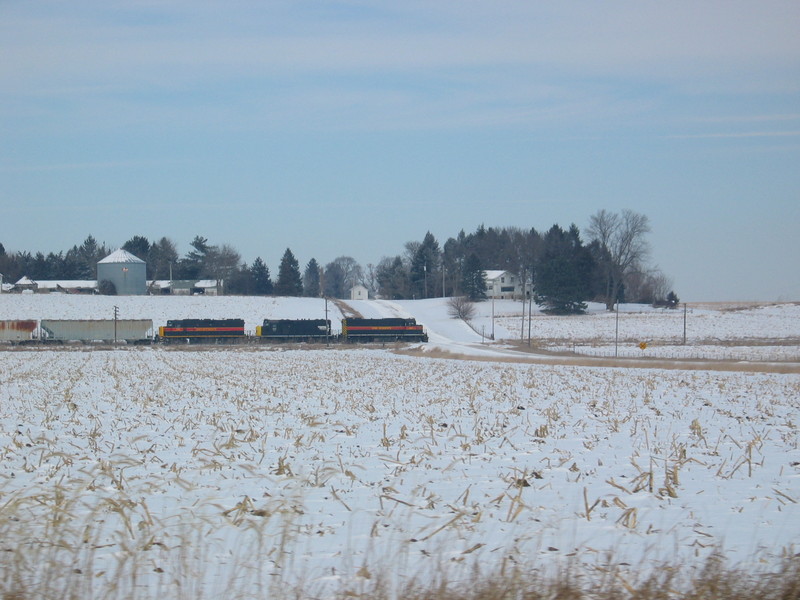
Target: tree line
[563, 270]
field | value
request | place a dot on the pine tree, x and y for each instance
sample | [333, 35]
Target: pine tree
[161, 258]
[473, 282]
[193, 266]
[138, 245]
[311, 283]
[563, 272]
[289, 281]
[259, 274]
[425, 267]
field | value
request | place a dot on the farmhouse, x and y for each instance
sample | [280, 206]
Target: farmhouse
[505, 285]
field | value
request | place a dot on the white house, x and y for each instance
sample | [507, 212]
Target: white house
[359, 292]
[504, 285]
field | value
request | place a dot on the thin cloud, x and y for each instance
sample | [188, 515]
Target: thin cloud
[746, 134]
[80, 166]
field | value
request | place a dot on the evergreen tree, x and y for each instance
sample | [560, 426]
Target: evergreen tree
[239, 281]
[193, 265]
[138, 245]
[311, 281]
[425, 274]
[672, 300]
[563, 272]
[289, 282]
[259, 273]
[473, 281]
[392, 278]
[162, 259]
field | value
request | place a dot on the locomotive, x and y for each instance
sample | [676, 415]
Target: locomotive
[294, 330]
[380, 330]
[196, 330]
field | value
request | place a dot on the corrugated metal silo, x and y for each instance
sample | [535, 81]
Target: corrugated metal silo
[127, 272]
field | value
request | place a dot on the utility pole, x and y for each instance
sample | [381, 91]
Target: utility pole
[616, 333]
[327, 328]
[684, 323]
[492, 317]
[530, 317]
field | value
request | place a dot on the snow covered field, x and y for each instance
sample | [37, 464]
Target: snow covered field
[216, 472]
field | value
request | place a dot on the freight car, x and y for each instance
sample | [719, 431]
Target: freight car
[382, 330]
[17, 331]
[133, 331]
[294, 330]
[202, 330]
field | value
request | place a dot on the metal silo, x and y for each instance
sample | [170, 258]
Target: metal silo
[127, 272]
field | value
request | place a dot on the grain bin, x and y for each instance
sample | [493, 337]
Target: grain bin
[127, 272]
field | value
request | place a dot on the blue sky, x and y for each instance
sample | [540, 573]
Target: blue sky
[349, 128]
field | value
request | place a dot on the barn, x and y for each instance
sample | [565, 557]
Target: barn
[127, 272]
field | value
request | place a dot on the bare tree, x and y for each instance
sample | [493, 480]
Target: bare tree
[341, 275]
[460, 307]
[651, 287]
[222, 263]
[371, 278]
[620, 238]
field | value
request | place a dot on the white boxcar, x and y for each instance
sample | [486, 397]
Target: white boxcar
[17, 331]
[101, 330]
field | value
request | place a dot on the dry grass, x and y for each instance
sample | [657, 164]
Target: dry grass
[713, 581]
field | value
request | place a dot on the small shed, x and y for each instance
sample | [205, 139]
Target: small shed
[127, 272]
[359, 292]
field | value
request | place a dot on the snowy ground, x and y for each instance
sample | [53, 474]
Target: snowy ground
[201, 469]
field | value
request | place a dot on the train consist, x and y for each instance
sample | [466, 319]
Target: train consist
[210, 331]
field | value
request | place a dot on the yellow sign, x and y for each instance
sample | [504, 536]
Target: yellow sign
[643, 345]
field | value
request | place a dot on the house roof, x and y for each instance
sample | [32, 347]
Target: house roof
[55, 284]
[494, 274]
[183, 284]
[67, 284]
[121, 256]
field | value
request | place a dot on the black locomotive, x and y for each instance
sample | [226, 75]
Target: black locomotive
[294, 330]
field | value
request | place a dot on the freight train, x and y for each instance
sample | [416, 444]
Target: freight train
[216, 331]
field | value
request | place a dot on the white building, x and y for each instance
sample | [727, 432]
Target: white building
[359, 292]
[504, 285]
